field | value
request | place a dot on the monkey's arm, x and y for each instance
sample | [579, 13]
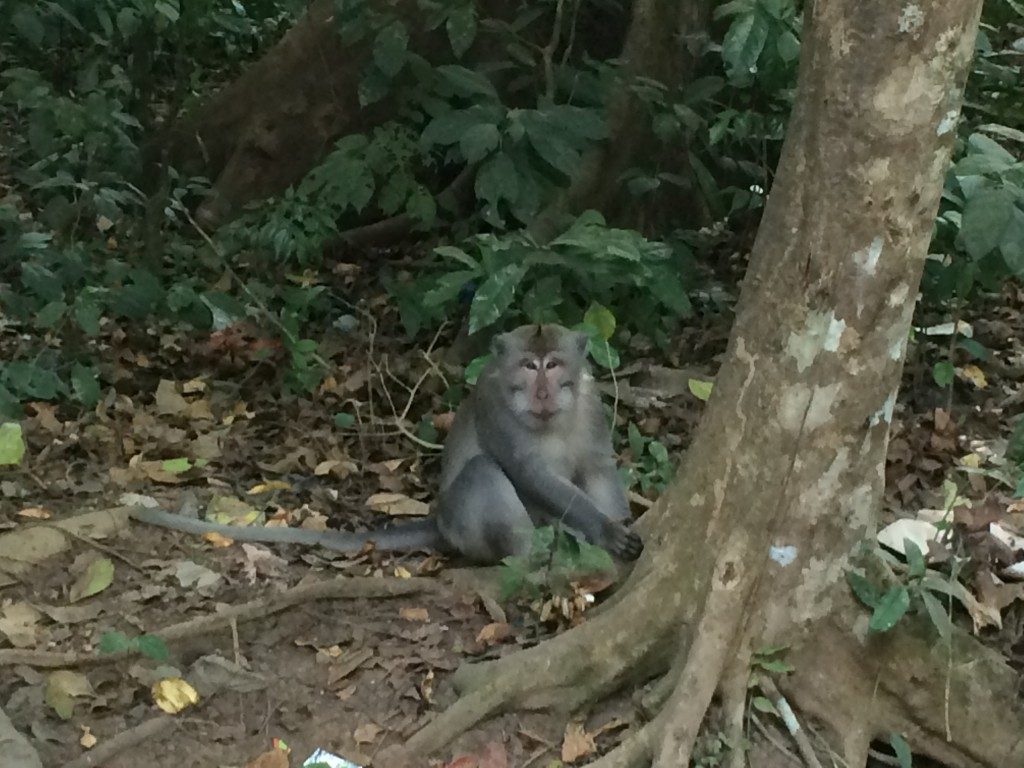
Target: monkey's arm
[418, 534]
[563, 501]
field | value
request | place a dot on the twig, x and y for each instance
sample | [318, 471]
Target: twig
[95, 545]
[642, 501]
[548, 51]
[140, 734]
[340, 587]
[791, 723]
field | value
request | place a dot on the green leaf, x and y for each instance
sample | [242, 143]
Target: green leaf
[113, 642]
[915, 559]
[943, 373]
[938, 615]
[449, 127]
[98, 576]
[152, 647]
[788, 46]
[863, 589]
[87, 314]
[12, 445]
[373, 86]
[451, 252]
[461, 27]
[890, 609]
[494, 296]
[1012, 244]
[478, 141]
[85, 384]
[176, 466]
[344, 420]
[985, 219]
[466, 82]
[473, 369]
[167, 9]
[601, 319]
[603, 353]
[51, 314]
[762, 704]
[700, 389]
[903, 754]
[775, 665]
[28, 25]
[744, 42]
[497, 180]
[389, 49]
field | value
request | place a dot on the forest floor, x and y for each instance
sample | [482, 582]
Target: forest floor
[354, 675]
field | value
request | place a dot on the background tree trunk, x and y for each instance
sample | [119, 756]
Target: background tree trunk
[750, 545]
[265, 130]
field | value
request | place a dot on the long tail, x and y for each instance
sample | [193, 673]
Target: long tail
[405, 537]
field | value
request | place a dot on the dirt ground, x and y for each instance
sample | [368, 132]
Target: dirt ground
[354, 675]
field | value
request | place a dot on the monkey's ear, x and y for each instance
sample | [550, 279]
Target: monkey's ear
[579, 340]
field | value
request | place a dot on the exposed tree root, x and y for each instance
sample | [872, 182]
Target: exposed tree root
[340, 587]
[123, 741]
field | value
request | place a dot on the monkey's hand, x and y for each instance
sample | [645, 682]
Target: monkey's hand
[621, 542]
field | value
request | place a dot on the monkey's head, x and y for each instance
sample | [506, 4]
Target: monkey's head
[539, 369]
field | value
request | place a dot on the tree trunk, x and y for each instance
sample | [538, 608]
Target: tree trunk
[265, 130]
[749, 546]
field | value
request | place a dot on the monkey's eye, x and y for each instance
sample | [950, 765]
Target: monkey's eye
[552, 364]
[530, 365]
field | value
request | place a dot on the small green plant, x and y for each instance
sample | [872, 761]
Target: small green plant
[149, 646]
[652, 468]
[556, 558]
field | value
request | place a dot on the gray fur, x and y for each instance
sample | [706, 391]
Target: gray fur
[528, 447]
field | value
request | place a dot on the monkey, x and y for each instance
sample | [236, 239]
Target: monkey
[528, 447]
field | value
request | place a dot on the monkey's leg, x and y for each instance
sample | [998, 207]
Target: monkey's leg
[481, 515]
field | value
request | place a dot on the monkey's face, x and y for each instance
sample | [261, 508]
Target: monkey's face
[541, 372]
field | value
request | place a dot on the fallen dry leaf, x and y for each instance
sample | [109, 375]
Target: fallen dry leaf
[414, 614]
[397, 505]
[366, 733]
[87, 740]
[34, 513]
[172, 694]
[576, 743]
[272, 758]
[494, 633]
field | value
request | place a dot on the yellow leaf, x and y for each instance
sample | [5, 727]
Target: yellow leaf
[273, 485]
[62, 687]
[172, 694]
[974, 375]
[971, 460]
[402, 573]
[216, 540]
[231, 511]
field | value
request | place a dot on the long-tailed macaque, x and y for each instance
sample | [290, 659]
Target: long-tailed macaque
[528, 447]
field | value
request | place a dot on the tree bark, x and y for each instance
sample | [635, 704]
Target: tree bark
[750, 545]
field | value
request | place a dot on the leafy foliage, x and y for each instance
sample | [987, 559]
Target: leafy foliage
[590, 261]
[555, 559]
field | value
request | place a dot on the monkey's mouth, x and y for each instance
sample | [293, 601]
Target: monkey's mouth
[543, 415]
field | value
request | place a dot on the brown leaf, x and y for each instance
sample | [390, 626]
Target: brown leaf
[168, 401]
[272, 758]
[366, 733]
[576, 743]
[397, 505]
[494, 633]
[414, 614]
[493, 755]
